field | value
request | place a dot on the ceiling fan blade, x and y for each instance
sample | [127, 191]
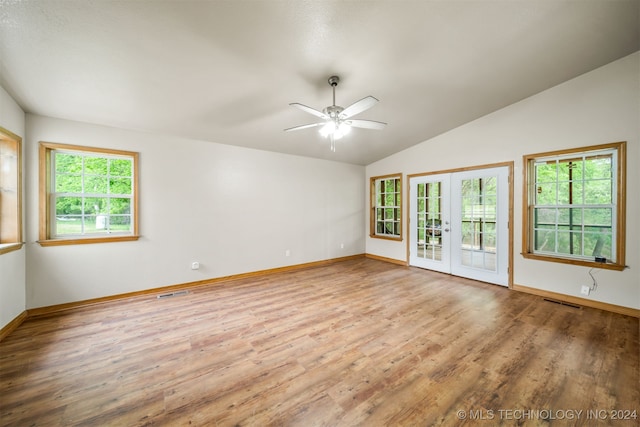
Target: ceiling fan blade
[310, 110]
[358, 107]
[303, 127]
[366, 124]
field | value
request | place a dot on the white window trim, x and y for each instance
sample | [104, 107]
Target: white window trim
[618, 151]
[47, 197]
[374, 181]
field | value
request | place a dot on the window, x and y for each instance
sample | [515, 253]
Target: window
[10, 192]
[386, 207]
[574, 206]
[87, 195]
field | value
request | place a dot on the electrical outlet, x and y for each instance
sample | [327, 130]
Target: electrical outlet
[287, 253]
[341, 245]
[195, 265]
[585, 290]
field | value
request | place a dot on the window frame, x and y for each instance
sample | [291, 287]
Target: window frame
[619, 192]
[373, 203]
[13, 143]
[45, 182]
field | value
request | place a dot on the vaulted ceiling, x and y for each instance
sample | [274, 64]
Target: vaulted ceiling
[226, 71]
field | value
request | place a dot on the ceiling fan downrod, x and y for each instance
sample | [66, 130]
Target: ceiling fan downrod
[334, 111]
[333, 81]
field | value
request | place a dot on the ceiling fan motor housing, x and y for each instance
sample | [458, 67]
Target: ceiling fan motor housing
[333, 111]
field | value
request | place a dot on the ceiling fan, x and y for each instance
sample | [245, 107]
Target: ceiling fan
[337, 120]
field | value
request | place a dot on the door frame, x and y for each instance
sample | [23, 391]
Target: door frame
[509, 165]
[443, 264]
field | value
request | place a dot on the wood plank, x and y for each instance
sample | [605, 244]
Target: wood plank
[357, 342]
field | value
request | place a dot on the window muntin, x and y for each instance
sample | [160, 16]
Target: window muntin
[575, 202]
[386, 207]
[479, 203]
[90, 194]
[429, 220]
[10, 192]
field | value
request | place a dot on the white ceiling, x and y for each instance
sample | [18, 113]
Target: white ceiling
[226, 71]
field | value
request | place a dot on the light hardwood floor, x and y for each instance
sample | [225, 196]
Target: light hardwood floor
[359, 342]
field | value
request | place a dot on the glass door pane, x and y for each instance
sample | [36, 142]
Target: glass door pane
[429, 242]
[479, 204]
[429, 209]
[480, 224]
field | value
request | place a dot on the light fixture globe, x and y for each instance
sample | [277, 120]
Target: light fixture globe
[328, 129]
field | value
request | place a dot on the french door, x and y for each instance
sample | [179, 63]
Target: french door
[459, 223]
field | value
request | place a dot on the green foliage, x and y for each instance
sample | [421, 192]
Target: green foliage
[96, 166]
[388, 200]
[575, 181]
[87, 185]
[388, 192]
[68, 163]
[578, 194]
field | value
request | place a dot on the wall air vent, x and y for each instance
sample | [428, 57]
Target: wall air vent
[172, 294]
[562, 303]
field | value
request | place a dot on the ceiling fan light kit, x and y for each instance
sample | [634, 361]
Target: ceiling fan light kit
[338, 122]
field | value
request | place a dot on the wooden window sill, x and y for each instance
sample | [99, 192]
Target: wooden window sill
[396, 238]
[583, 262]
[10, 247]
[85, 241]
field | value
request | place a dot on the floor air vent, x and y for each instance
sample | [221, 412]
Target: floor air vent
[562, 303]
[172, 294]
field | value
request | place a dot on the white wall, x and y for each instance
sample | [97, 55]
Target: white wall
[237, 210]
[233, 209]
[12, 264]
[598, 107]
